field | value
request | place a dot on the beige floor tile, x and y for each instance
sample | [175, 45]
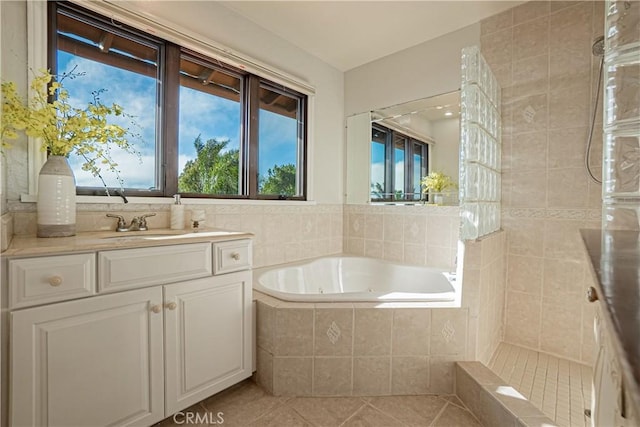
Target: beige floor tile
[284, 416]
[411, 410]
[243, 404]
[455, 416]
[368, 416]
[326, 411]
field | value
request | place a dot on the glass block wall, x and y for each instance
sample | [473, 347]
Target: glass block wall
[621, 157]
[480, 147]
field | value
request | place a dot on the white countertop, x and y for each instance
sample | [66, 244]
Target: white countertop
[22, 246]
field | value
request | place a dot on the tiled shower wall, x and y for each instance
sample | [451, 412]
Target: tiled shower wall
[483, 293]
[282, 233]
[541, 55]
[411, 234]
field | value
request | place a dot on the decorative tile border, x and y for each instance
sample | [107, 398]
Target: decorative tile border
[542, 213]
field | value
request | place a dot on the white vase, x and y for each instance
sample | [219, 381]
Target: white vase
[56, 205]
[438, 199]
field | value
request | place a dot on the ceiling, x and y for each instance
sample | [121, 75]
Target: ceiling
[347, 34]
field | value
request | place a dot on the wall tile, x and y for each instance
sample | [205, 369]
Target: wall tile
[448, 332]
[530, 10]
[523, 319]
[530, 76]
[332, 376]
[333, 332]
[265, 326]
[393, 251]
[409, 375]
[529, 151]
[567, 147]
[529, 114]
[529, 188]
[563, 280]
[374, 248]
[415, 254]
[371, 376]
[561, 330]
[441, 374]
[562, 240]
[497, 47]
[411, 332]
[373, 227]
[294, 332]
[525, 274]
[531, 38]
[415, 229]
[292, 376]
[569, 108]
[567, 188]
[264, 369]
[393, 228]
[525, 236]
[372, 332]
[496, 22]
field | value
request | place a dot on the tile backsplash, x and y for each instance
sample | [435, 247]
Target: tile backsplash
[284, 233]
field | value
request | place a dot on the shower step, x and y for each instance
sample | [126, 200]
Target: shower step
[493, 401]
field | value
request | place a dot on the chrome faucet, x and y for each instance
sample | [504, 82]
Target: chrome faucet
[138, 223]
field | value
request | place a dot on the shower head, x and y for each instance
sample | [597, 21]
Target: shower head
[598, 46]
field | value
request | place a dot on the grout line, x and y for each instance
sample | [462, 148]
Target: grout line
[439, 414]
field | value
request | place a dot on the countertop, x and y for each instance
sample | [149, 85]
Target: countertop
[615, 258]
[22, 246]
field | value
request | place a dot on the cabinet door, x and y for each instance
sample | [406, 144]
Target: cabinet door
[207, 336]
[94, 362]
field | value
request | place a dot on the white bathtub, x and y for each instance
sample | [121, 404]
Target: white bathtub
[354, 279]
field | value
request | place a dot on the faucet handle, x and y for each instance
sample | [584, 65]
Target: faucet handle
[121, 222]
[142, 221]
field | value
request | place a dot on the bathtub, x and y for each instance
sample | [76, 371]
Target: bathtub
[355, 279]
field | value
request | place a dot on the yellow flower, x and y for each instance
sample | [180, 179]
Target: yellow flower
[437, 182]
[63, 128]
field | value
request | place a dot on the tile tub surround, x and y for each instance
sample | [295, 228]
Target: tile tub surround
[284, 233]
[344, 349]
[411, 234]
[541, 54]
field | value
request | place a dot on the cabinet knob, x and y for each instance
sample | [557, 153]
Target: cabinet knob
[55, 280]
[235, 256]
[156, 309]
[171, 305]
[592, 295]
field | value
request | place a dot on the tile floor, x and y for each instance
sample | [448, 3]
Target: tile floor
[246, 404]
[559, 387]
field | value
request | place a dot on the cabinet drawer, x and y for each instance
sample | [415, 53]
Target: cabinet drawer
[42, 280]
[136, 268]
[231, 256]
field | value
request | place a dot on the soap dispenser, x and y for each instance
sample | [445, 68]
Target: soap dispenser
[177, 214]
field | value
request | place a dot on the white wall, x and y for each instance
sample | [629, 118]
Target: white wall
[428, 69]
[215, 22]
[445, 155]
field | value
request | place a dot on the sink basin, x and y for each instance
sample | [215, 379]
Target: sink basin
[170, 236]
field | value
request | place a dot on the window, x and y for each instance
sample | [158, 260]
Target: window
[206, 129]
[398, 163]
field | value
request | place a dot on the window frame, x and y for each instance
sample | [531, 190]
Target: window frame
[410, 149]
[167, 123]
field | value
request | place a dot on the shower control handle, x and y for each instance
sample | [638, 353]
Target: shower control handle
[592, 295]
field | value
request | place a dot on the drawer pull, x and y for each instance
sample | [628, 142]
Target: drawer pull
[171, 305]
[235, 256]
[592, 295]
[55, 280]
[156, 309]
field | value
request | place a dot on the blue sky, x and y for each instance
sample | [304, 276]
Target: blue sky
[200, 114]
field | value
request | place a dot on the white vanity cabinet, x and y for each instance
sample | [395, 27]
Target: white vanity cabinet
[134, 356]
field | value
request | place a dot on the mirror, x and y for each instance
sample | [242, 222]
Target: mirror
[390, 149]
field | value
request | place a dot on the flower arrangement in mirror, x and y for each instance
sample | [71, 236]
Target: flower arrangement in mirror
[437, 183]
[89, 132]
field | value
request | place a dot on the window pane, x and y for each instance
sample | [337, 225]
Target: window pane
[398, 159]
[418, 163]
[279, 143]
[209, 130]
[378, 162]
[125, 69]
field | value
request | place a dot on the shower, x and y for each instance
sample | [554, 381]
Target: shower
[598, 50]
